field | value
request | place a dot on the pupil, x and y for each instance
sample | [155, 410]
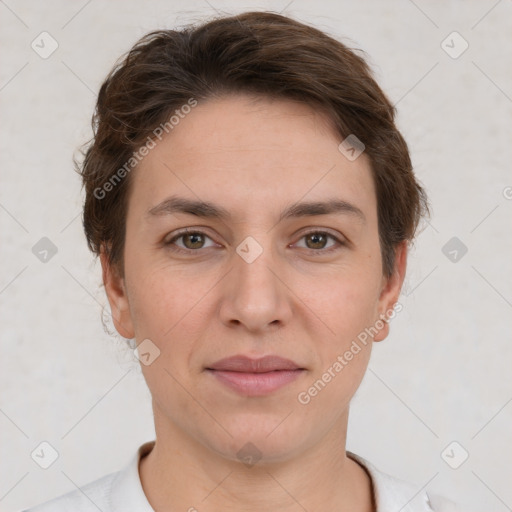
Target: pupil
[193, 238]
[315, 237]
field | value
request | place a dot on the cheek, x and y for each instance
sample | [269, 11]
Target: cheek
[347, 307]
[164, 298]
[346, 300]
[167, 309]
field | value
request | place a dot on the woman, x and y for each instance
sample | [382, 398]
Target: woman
[252, 202]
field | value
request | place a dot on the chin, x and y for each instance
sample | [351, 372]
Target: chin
[261, 441]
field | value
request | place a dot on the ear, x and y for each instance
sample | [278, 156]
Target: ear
[391, 287]
[116, 294]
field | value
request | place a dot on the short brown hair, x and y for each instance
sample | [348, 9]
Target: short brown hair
[257, 53]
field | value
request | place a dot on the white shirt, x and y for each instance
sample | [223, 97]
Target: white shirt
[122, 491]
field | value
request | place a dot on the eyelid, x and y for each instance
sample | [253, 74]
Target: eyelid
[184, 231]
[326, 231]
[341, 241]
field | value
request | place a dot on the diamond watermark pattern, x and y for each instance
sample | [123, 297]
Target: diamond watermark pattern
[44, 250]
[249, 249]
[454, 249]
[351, 147]
[44, 455]
[454, 45]
[249, 454]
[454, 455]
[44, 45]
[146, 352]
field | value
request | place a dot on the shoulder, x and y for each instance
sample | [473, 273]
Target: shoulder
[91, 497]
[120, 491]
[391, 493]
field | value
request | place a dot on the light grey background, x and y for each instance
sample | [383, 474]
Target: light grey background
[444, 373]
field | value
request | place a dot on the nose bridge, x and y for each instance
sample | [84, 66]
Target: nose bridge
[255, 295]
[254, 263]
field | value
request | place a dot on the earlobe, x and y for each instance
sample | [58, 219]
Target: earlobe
[117, 297]
[391, 290]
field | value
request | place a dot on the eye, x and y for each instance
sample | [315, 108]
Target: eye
[316, 241]
[191, 240]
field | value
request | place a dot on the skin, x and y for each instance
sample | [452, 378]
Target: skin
[254, 157]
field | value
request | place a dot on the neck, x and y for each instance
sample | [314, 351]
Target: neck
[183, 474]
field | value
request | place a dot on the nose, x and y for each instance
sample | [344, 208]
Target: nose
[255, 293]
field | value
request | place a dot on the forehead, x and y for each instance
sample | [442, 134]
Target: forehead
[251, 152]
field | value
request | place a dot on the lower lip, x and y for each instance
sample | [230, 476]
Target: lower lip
[256, 384]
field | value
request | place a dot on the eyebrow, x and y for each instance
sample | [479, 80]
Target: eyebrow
[207, 209]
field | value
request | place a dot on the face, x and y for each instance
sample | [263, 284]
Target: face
[263, 276]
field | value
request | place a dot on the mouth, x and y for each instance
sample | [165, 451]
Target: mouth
[255, 377]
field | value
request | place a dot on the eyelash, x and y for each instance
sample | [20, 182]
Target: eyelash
[170, 243]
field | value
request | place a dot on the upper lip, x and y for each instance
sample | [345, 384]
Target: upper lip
[246, 364]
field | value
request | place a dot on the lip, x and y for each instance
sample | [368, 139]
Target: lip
[247, 364]
[255, 377]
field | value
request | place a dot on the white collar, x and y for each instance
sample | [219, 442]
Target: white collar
[127, 492]
[390, 493]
